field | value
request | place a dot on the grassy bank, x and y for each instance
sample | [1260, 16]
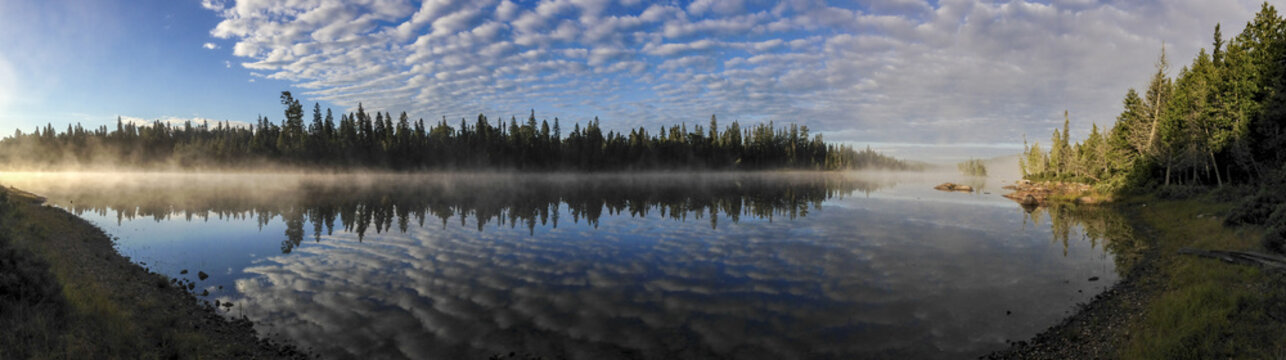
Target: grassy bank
[66, 293]
[1174, 306]
[1205, 308]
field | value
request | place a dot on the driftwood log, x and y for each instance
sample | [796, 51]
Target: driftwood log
[1265, 261]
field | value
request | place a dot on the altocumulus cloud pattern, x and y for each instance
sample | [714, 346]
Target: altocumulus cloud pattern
[889, 70]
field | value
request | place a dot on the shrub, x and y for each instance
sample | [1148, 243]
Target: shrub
[1180, 192]
[1255, 209]
[1230, 193]
[1275, 239]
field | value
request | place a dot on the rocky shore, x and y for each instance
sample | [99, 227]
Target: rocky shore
[1101, 327]
[1035, 194]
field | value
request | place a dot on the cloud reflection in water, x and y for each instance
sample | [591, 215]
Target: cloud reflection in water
[638, 266]
[854, 283]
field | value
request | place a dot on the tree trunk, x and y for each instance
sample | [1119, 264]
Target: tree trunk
[1215, 163]
[1167, 173]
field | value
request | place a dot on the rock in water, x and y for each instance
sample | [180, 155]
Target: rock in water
[953, 187]
[202, 275]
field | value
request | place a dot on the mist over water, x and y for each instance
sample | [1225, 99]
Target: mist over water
[714, 265]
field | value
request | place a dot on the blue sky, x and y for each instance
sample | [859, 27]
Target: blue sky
[920, 79]
[89, 61]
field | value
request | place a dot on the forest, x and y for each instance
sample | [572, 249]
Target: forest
[382, 141]
[1218, 126]
[1219, 121]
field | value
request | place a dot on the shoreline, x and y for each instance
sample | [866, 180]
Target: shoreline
[117, 308]
[1172, 305]
[1098, 328]
[166, 320]
[1030, 194]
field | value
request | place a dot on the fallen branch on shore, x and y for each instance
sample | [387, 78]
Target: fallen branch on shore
[1265, 261]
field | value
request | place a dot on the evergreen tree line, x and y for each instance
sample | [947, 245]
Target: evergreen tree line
[1220, 120]
[382, 141]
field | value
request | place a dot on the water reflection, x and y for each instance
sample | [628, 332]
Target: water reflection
[748, 266]
[363, 203]
[1097, 225]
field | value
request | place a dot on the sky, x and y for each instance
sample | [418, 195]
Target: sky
[927, 80]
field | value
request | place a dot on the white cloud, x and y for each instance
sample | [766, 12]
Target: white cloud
[724, 7]
[210, 46]
[898, 70]
[216, 5]
[506, 10]
[672, 49]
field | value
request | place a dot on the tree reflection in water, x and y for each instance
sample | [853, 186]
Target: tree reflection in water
[1100, 225]
[365, 203]
[634, 266]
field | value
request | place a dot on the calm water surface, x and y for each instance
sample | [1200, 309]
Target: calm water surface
[746, 266]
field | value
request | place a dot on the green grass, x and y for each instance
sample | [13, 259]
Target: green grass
[1206, 309]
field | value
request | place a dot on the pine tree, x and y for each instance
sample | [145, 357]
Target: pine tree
[1158, 96]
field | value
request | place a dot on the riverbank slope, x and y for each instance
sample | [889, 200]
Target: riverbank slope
[91, 302]
[1175, 306]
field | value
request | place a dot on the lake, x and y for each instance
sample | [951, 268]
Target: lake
[652, 266]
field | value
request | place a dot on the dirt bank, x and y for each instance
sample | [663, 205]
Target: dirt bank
[116, 308]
